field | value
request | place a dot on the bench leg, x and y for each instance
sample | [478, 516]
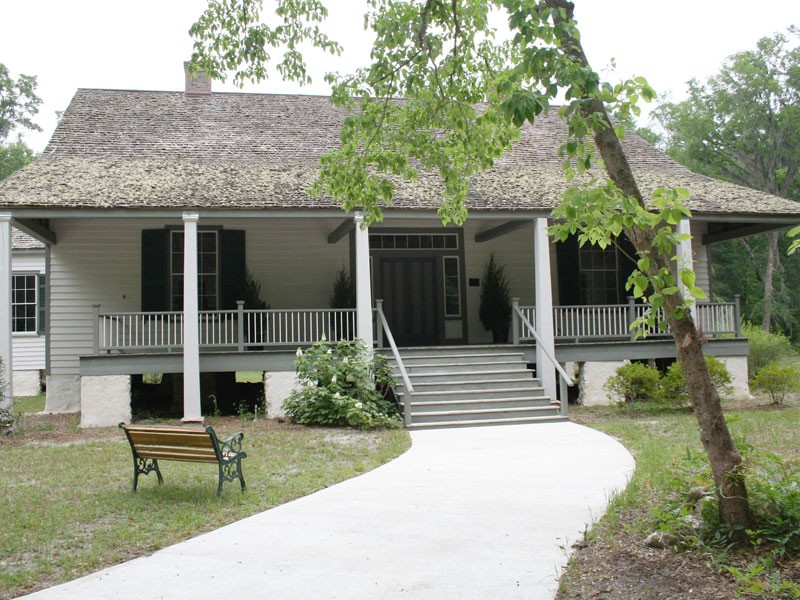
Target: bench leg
[229, 472]
[144, 466]
[241, 475]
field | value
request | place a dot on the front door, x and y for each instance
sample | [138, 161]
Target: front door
[408, 289]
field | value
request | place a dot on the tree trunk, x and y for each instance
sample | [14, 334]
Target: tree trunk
[769, 279]
[726, 462]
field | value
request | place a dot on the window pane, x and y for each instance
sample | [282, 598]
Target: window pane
[451, 242]
[177, 241]
[452, 305]
[23, 303]
[208, 263]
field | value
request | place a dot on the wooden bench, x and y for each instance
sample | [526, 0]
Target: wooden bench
[151, 444]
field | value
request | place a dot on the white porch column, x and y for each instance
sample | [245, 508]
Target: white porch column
[685, 257]
[363, 283]
[544, 306]
[191, 334]
[6, 395]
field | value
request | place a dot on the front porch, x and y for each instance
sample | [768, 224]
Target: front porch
[162, 293]
[437, 386]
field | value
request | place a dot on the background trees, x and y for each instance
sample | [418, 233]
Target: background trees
[18, 105]
[743, 125]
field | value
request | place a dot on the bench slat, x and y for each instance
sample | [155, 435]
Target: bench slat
[178, 455]
[148, 429]
[172, 439]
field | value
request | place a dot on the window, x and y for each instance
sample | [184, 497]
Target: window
[207, 270]
[24, 303]
[599, 277]
[452, 287]
[413, 241]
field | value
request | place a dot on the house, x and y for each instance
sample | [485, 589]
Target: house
[156, 205]
[28, 282]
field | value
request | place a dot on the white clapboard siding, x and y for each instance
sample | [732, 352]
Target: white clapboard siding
[28, 352]
[292, 258]
[98, 261]
[514, 252]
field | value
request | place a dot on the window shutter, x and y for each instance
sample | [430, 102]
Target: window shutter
[41, 303]
[233, 266]
[155, 270]
[569, 284]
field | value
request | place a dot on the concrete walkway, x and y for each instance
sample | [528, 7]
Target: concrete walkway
[467, 513]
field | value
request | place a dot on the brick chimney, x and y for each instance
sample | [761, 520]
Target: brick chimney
[196, 86]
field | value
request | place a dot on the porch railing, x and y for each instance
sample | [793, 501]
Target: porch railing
[408, 389]
[582, 323]
[564, 380]
[223, 329]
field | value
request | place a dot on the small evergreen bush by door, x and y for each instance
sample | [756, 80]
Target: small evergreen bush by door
[495, 308]
[344, 291]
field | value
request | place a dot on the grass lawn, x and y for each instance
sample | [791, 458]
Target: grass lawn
[68, 510]
[614, 557]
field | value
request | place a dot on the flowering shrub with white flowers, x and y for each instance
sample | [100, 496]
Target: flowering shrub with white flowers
[344, 385]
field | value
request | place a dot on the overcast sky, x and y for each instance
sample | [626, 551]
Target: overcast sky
[71, 44]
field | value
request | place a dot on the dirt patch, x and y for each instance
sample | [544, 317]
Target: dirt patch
[65, 429]
[624, 568]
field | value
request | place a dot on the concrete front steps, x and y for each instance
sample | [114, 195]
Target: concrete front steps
[472, 385]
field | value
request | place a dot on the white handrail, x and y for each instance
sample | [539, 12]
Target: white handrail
[562, 373]
[409, 389]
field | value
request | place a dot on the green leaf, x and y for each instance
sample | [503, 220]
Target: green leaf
[688, 277]
[698, 293]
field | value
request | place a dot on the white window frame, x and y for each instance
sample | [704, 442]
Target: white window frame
[178, 293]
[15, 304]
[445, 295]
[588, 270]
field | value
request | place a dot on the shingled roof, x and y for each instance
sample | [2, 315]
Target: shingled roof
[22, 241]
[139, 149]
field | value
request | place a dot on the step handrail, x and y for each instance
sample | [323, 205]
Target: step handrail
[408, 388]
[561, 372]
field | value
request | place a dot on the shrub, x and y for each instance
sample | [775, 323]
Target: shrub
[764, 348]
[776, 381]
[344, 291]
[342, 385]
[634, 382]
[673, 384]
[495, 302]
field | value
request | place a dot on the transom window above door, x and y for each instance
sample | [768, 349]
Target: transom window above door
[413, 241]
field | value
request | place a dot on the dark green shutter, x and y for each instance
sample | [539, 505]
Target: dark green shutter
[568, 261]
[155, 270]
[232, 266]
[41, 304]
